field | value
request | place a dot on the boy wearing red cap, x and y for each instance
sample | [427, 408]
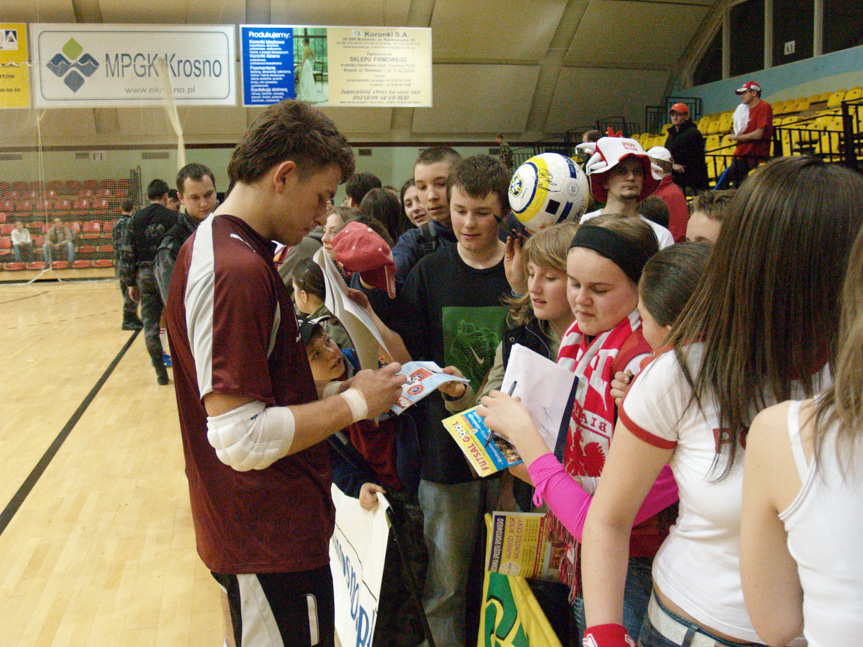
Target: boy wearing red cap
[686, 145]
[753, 130]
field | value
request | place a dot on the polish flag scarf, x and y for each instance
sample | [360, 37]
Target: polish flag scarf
[594, 414]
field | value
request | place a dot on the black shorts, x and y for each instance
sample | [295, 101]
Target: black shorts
[275, 609]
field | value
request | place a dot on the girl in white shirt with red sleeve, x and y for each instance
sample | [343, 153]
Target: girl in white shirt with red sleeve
[761, 327]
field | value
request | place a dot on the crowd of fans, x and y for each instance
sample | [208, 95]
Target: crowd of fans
[688, 316]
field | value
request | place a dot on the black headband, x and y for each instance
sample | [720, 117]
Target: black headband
[621, 251]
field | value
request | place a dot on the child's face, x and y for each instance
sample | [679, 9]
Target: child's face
[325, 358]
[547, 289]
[474, 220]
[430, 180]
[653, 332]
[701, 228]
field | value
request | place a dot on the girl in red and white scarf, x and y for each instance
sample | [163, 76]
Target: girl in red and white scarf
[603, 266]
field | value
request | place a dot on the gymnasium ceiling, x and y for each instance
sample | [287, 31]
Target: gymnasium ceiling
[529, 68]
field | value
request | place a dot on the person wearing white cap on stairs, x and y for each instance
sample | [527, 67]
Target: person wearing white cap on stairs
[753, 129]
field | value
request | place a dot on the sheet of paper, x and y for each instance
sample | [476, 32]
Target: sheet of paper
[359, 326]
[544, 387]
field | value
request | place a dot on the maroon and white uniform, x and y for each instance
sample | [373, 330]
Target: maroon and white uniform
[233, 331]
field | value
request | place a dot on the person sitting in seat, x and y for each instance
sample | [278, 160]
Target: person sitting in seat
[59, 237]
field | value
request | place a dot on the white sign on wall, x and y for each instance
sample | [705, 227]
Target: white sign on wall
[96, 66]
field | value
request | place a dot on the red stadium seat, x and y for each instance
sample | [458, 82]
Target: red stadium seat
[24, 206]
[108, 227]
[105, 249]
[36, 265]
[108, 184]
[62, 207]
[81, 207]
[90, 230]
[2, 218]
[103, 262]
[87, 249]
[72, 187]
[81, 264]
[74, 226]
[5, 243]
[60, 265]
[7, 205]
[13, 267]
[5, 230]
[90, 184]
[100, 207]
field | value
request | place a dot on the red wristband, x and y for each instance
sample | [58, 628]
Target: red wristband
[610, 635]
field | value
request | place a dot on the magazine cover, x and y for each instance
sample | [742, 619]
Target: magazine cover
[471, 435]
[521, 545]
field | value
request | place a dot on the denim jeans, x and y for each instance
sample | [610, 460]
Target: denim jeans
[639, 584]
[453, 518]
[650, 637]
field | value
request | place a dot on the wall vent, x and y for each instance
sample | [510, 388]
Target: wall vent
[11, 157]
[154, 155]
[364, 152]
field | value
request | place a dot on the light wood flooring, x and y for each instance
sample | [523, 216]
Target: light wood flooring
[101, 552]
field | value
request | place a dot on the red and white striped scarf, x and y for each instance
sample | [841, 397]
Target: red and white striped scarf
[593, 412]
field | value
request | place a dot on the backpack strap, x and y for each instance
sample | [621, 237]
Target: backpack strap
[428, 239]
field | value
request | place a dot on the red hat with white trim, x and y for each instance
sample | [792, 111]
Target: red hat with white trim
[608, 153]
[680, 109]
[749, 85]
[359, 248]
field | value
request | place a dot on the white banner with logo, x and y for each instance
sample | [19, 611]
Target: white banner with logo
[98, 66]
[358, 550]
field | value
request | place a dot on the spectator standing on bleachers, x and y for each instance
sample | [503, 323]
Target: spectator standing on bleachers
[59, 238]
[621, 175]
[753, 130]
[686, 145]
[22, 243]
[144, 233]
[358, 185]
[196, 188]
[670, 193]
[131, 321]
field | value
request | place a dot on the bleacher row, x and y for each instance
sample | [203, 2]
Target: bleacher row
[819, 114]
[87, 207]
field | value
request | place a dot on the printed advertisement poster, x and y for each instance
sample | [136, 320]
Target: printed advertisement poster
[521, 545]
[337, 66]
[97, 66]
[14, 72]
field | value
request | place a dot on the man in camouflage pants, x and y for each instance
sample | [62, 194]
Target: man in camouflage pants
[143, 235]
[118, 235]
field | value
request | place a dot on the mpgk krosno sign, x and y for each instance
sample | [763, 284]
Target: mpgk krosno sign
[96, 66]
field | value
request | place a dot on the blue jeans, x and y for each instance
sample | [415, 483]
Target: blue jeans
[48, 252]
[639, 584]
[650, 637]
[453, 518]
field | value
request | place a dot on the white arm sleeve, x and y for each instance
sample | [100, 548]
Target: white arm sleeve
[252, 436]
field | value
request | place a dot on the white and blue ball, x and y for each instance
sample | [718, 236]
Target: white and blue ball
[547, 189]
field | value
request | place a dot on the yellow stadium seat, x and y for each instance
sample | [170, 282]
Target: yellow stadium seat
[854, 93]
[802, 105]
[835, 99]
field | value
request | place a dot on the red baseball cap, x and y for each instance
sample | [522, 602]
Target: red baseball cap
[359, 248]
[679, 108]
[749, 85]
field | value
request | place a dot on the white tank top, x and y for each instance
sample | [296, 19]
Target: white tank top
[825, 537]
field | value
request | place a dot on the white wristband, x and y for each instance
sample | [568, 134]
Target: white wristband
[331, 388]
[357, 404]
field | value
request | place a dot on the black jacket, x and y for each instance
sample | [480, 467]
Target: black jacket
[686, 145]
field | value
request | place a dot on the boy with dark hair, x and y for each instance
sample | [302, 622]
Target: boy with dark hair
[252, 424]
[358, 185]
[431, 170]
[452, 314]
[143, 235]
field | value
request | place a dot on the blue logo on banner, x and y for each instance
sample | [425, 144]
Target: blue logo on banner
[268, 65]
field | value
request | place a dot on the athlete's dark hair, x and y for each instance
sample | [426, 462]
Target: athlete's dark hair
[359, 184]
[195, 172]
[157, 189]
[479, 176]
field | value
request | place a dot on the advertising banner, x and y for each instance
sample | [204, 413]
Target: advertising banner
[14, 73]
[337, 66]
[97, 66]
[358, 549]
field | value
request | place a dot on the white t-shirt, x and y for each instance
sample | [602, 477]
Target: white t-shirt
[698, 565]
[22, 236]
[662, 234]
[825, 526]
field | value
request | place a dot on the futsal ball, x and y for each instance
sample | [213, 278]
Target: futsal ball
[547, 189]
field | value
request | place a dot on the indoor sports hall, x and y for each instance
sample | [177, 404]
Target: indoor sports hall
[97, 545]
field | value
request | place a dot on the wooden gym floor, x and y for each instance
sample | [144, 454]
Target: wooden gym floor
[97, 545]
